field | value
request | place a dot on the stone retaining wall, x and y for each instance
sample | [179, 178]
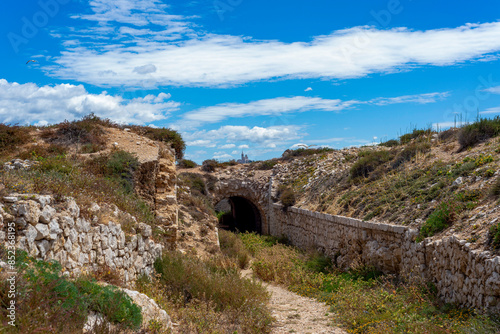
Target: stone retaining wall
[463, 276]
[49, 230]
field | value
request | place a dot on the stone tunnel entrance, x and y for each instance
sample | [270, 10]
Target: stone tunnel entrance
[240, 214]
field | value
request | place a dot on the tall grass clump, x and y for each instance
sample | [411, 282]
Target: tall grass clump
[368, 162]
[233, 247]
[88, 131]
[478, 131]
[12, 136]
[208, 296]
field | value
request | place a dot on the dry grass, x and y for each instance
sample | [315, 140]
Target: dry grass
[208, 296]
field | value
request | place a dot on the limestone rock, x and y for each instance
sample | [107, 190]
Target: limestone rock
[150, 310]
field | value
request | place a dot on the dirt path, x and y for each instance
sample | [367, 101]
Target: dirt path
[296, 314]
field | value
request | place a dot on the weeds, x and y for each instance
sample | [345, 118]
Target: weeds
[164, 135]
[208, 296]
[368, 162]
[494, 236]
[13, 136]
[48, 302]
[478, 131]
[362, 299]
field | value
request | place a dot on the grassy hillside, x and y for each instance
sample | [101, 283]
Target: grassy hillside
[441, 183]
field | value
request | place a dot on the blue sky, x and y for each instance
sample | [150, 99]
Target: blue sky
[258, 76]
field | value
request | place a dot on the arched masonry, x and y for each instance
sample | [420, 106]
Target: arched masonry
[463, 276]
[249, 201]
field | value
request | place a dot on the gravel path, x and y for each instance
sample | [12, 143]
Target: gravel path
[297, 314]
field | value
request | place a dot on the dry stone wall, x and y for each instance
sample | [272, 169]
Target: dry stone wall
[463, 276]
[49, 230]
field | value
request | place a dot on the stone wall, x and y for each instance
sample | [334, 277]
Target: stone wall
[47, 230]
[463, 276]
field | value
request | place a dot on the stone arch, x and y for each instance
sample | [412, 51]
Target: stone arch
[248, 205]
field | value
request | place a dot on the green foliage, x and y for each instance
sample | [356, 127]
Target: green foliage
[495, 188]
[47, 299]
[440, 219]
[415, 134]
[481, 130]
[209, 165]
[185, 163]
[494, 236]
[267, 164]
[303, 152]
[390, 143]
[12, 136]
[319, 263]
[368, 162]
[122, 165]
[164, 135]
[233, 247]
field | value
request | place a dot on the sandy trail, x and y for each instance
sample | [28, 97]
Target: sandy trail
[297, 314]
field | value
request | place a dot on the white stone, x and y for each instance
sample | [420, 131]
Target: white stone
[47, 213]
[43, 231]
[43, 247]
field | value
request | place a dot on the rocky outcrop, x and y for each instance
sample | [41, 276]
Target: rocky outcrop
[51, 230]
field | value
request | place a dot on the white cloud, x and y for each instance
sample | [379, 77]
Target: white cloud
[241, 134]
[420, 98]
[243, 146]
[308, 89]
[494, 90]
[282, 105]
[234, 152]
[226, 146]
[222, 156]
[204, 59]
[145, 69]
[276, 106]
[30, 103]
[494, 110]
[201, 142]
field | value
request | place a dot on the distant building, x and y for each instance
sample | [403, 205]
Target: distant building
[244, 159]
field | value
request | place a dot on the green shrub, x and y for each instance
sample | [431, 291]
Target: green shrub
[390, 143]
[369, 161]
[185, 163]
[495, 188]
[442, 217]
[164, 135]
[47, 299]
[287, 197]
[266, 165]
[494, 236]
[409, 152]
[302, 152]
[190, 278]
[415, 134]
[209, 165]
[122, 165]
[479, 131]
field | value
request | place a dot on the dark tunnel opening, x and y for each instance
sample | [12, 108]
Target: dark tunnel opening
[240, 214]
